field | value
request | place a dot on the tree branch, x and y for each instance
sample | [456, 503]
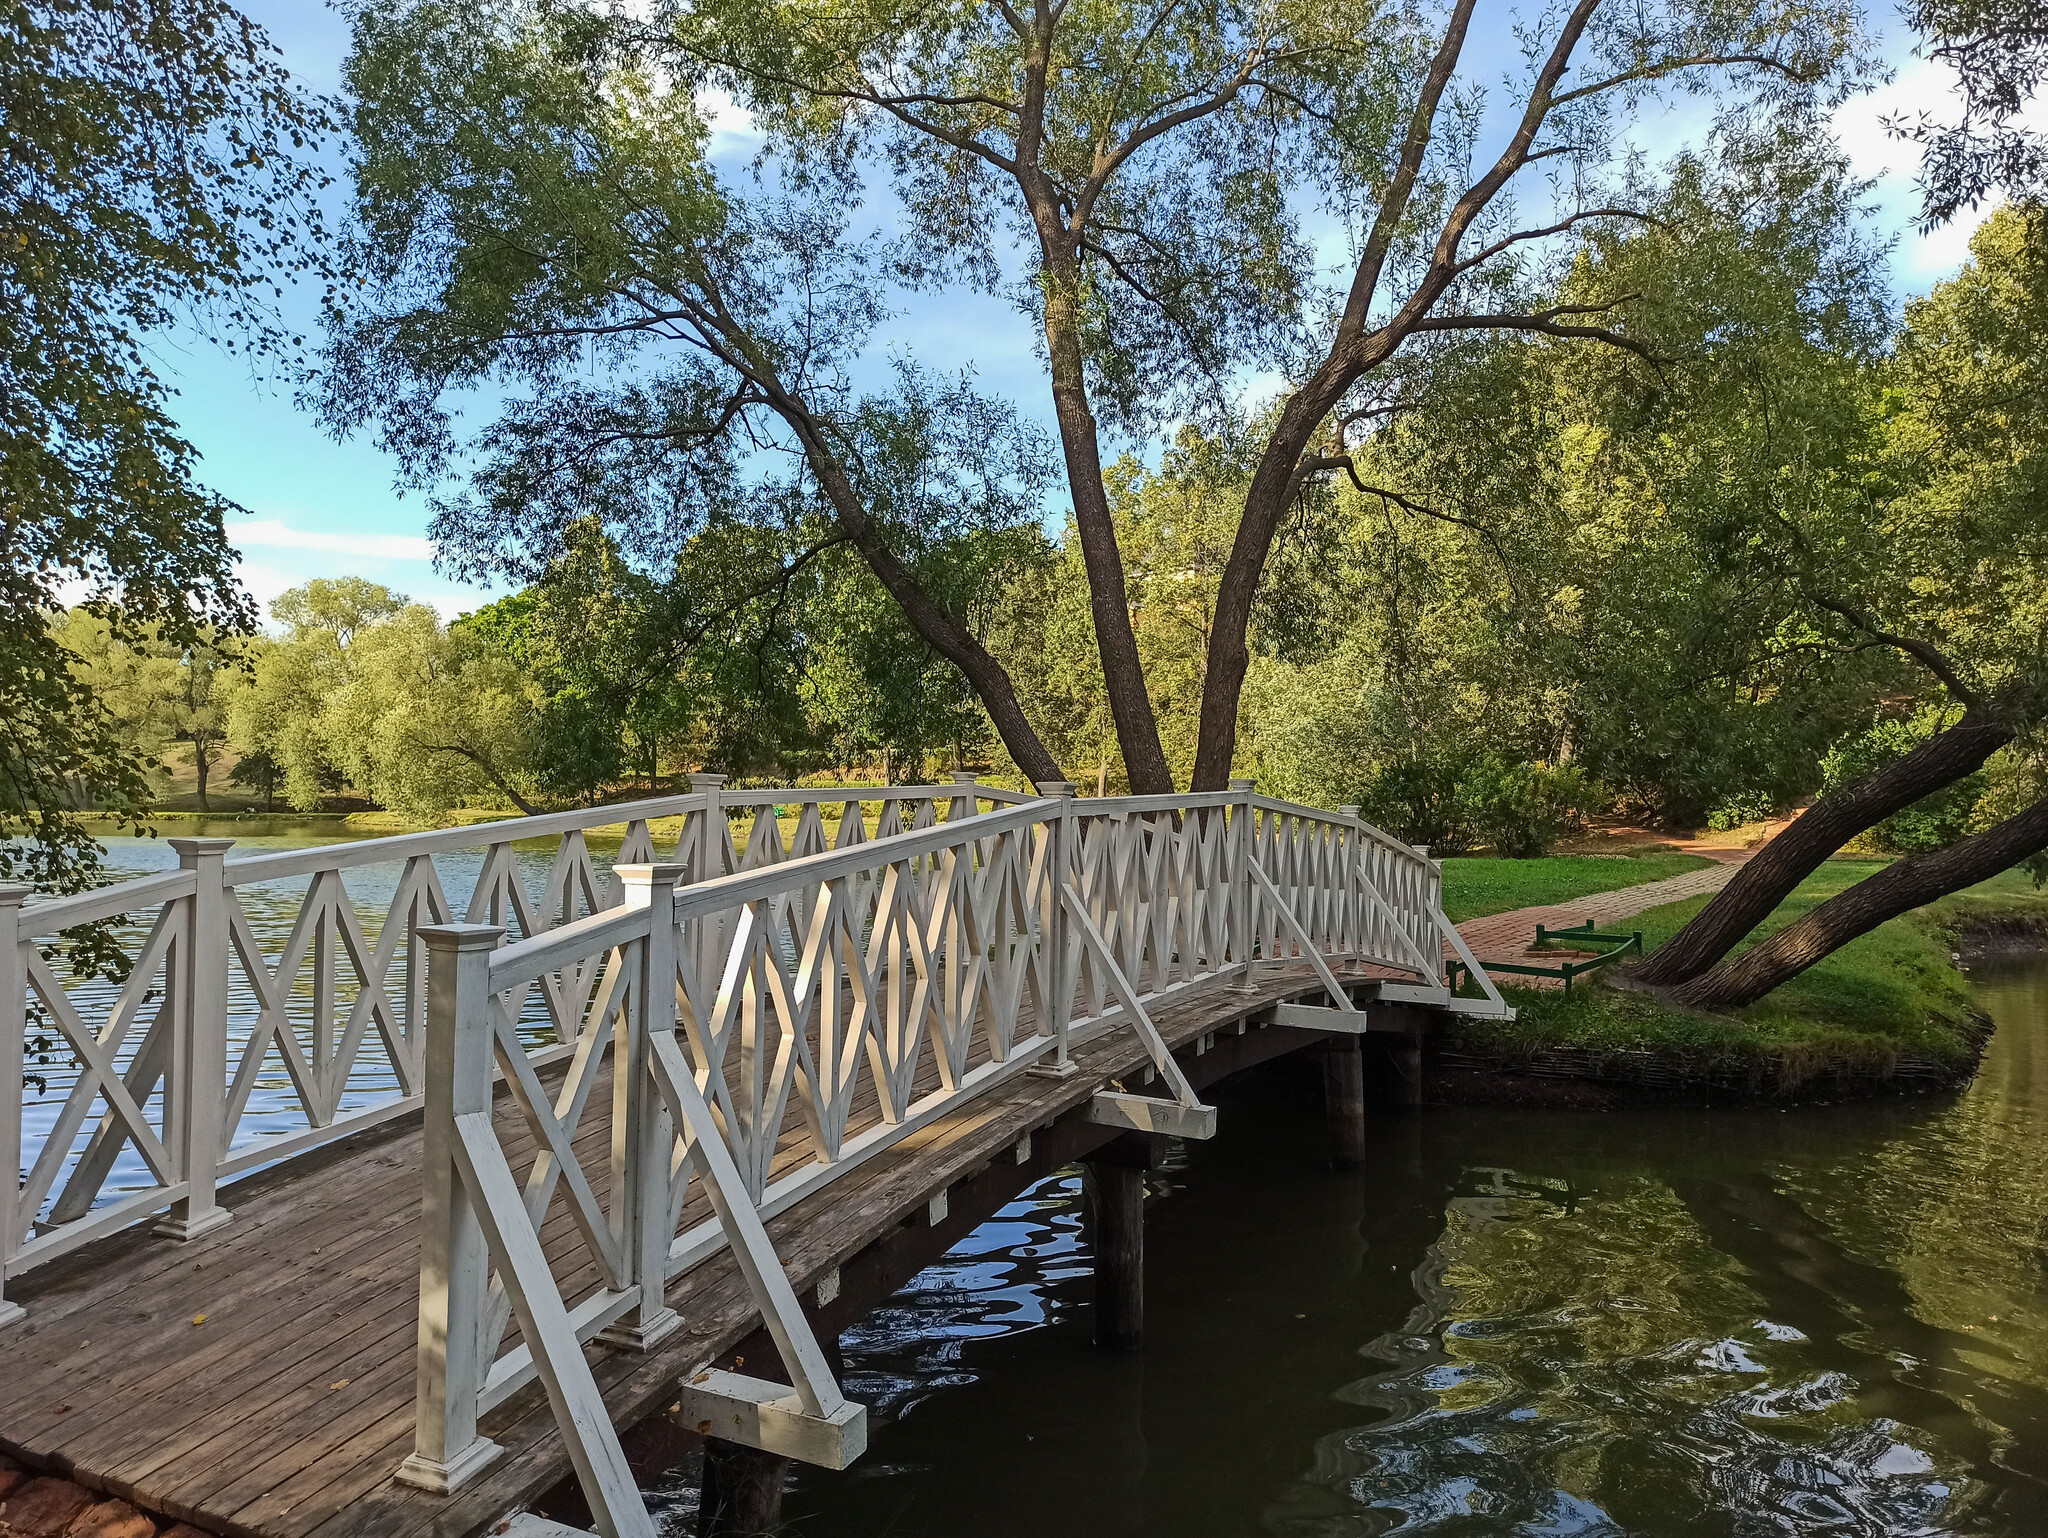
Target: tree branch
[1925, 653]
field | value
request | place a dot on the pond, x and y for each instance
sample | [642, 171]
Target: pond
[1823, 1320]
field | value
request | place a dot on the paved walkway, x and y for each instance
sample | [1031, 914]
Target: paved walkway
[1510, 936]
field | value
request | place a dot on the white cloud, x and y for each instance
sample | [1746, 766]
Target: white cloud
[1922, 87]
[275, 534]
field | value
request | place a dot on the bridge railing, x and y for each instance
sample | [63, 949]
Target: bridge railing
[274, 1003]
[764, 1032]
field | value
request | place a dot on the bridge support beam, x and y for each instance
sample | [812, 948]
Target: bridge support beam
[1343, 1064]
[1116, 1233]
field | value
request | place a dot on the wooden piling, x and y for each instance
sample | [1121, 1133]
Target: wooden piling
[1344, 1101]
[742, 1491]
[1116, 1233]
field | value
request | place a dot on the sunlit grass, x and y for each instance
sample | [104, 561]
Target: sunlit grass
[1474, 888]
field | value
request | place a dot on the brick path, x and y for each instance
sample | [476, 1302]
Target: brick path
[1509, 936]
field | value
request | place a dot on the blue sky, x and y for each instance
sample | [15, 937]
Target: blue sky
[321, 508]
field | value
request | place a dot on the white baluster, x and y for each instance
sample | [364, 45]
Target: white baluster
[196, 1087]
[455, 1259]
[13, 1043]
[1240, 880]
[1053, 936]
[642, 1132]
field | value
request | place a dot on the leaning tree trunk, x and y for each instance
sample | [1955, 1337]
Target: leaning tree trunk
[1898, 888]
[1796, 853]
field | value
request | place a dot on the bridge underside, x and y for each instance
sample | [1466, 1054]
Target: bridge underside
[261, 1380]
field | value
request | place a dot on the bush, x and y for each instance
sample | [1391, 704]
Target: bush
[1520, 810]
[1746, 807]
[1454, 803]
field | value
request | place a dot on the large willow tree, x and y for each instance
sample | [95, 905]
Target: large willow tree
[1154, 184]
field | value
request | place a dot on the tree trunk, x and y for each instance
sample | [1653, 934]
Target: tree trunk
[1123, 675]
[199, 761]
[1898, 888]
[1797, 852]
[1266, 502]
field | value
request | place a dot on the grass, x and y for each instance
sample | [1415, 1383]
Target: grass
[1474, 888]
[1892, 992]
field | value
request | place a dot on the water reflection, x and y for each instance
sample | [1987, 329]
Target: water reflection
[1827, 1321]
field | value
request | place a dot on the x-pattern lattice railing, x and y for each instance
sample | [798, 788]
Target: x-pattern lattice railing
[274, 1003]
[768, 1029]
[791, 991]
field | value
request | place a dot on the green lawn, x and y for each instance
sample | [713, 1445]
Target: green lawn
[1893, 990]
[1474, 888]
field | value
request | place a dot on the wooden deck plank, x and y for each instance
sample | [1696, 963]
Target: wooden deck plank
[315, 1283]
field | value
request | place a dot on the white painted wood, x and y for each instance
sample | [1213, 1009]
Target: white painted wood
[643, 1134]
[14, 1220]
[771, 1416]
[1148, 1033]
[454, 1250]
[1310, 949]
[780, 1312]
[1310, 1017]
[586, 1426]
[197, 1074]
[1145, 1113]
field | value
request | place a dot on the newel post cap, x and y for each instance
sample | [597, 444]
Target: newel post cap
[461, 937]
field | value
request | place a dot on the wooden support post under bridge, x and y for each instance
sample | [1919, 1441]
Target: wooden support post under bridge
[1116, 1235]
[1343, 1065]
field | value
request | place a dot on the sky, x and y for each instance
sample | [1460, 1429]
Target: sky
[318, 508]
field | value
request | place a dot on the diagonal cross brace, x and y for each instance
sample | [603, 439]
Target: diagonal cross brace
[816, 1388]
[1308, 947]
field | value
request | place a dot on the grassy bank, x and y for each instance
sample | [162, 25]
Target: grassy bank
[1474, 888]
[1892, 1002]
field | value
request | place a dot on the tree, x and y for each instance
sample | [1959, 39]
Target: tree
[430, 717]
[530, 197]
[1899, 888]
[1145, 157]
[154, 693]
[370, 690]
[1999, 51]
[1960, 581]
[155, 167]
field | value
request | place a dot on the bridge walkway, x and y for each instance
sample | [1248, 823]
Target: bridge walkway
[260, 1380]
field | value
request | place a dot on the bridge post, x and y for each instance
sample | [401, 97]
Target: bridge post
[455, 1258]
[1116, 1233]
[1052, 931]
[964, 803]
[741, 1496]
[196, 1083]
[1241, 883]
[1343, 1065]
[707, 861]
[642, 1131]
[13, 1064]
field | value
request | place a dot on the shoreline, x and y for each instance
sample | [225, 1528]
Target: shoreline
[1467, 1071]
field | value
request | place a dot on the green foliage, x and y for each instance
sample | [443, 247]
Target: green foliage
[369, 692]
[154, 167]
[1742, 808]
[1454, 801]
[1933, 822]
[1890, 991]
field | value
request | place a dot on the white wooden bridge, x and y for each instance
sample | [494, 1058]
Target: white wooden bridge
[617, 1124]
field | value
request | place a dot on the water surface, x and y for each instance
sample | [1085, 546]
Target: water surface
[1817, 1321]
